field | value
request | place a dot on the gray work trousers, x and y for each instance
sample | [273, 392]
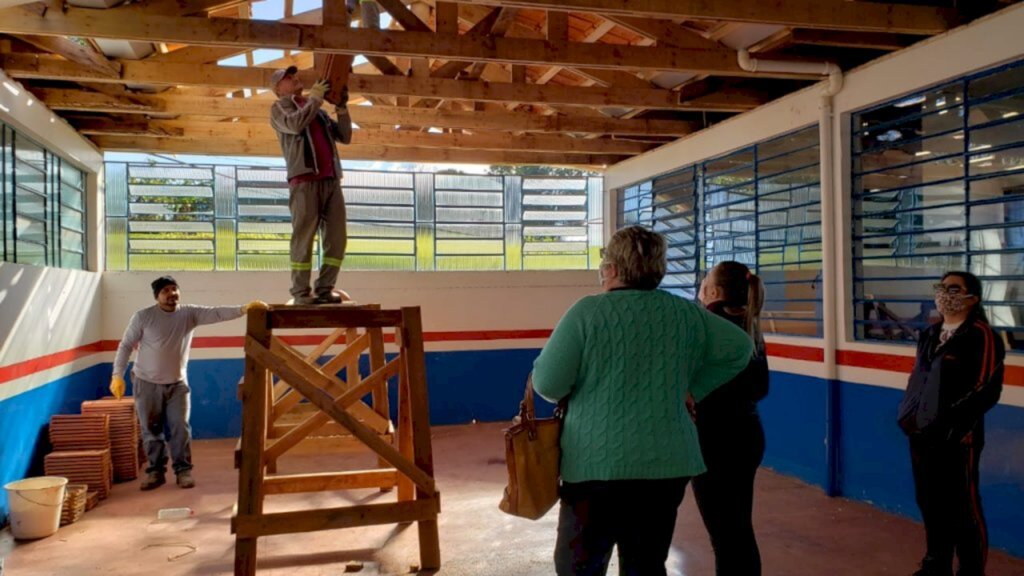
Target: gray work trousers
[160, 407]
[317, 206]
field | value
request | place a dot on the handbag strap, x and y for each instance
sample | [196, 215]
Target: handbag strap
[528, 411]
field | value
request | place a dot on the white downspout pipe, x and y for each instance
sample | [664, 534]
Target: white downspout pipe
[829, 236]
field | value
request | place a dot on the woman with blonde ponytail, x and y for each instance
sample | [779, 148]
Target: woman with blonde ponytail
[729, 428]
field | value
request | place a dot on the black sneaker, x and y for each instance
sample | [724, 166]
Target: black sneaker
[153, 480]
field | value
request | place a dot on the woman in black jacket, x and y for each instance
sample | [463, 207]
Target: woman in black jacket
[958, 377]
[729, 428]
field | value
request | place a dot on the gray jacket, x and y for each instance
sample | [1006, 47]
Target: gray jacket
[292, 121]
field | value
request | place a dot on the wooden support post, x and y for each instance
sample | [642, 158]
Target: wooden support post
[334, 416]
[415, 361]
[250, 473]
[381, 403]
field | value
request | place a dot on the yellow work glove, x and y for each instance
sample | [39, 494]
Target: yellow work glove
[319, 89]
[117, 386]
[257, 304]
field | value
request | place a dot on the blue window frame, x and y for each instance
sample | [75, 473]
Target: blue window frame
[938, 185]
[760, 205]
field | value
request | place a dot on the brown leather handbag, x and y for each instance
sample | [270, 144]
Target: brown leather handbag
[533, 456]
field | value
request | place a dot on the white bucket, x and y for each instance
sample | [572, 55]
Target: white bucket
[35, 506]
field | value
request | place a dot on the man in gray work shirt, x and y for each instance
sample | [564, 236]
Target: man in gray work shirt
[163, 334]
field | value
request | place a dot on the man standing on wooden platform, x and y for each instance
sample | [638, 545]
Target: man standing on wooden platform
[308, 140]
[163, 334]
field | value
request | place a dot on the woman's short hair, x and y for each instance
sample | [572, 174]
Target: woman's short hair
[639, 256]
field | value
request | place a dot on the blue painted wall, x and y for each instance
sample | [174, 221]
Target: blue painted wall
[24, 419]
[875, 464]
[794, 421]
[482, 385]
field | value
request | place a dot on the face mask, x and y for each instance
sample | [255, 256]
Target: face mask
[950, 303]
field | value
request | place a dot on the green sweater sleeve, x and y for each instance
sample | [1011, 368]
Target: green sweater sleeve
[727, 351]
[556, 369]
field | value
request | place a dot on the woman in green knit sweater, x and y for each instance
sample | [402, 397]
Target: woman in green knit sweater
[626, 359]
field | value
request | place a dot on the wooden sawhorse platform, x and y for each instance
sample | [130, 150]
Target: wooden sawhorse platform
[337, 405]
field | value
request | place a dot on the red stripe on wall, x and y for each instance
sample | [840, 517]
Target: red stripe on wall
[792, 352]
[29, 367]
[1014, 375]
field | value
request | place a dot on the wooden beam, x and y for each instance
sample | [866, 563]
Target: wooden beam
[322, 482]
[479, 30]
[258, 109]
[404, 16]
[446, 18]
[264, 34]
[557, 26]
[177, 7]
[77, 51]
[120, 127]
[142, 72]
[288, 364]
[818, 14]
[664, 32]
[332, 518]
[393, 138]
[868, 40]
[271, 148]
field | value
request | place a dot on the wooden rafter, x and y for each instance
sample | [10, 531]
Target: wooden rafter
[80, 51]
[269, 147]
[143, 72]
[258, 109]
[391, 138]
[818, 14]
[261, 34]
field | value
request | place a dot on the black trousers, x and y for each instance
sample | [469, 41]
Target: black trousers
[637, 515]
[946, 485]
[725, 493]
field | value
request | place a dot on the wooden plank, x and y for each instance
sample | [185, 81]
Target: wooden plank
[351, 352]
[81, 52]
[328, 481]
[334, 386]
[175, 103]
[349, 398]
[197, 130]
[378, 153]
[333, 518]
[557, 27]
[143, 72]
[253, 441]
[446, 18]
[664, 32]
[301, 378]
[404, 16]
[406, 489]
[864, 40]
[415, 360]
[819, 14]
[332, 317]
[479, 30]
[255, 34]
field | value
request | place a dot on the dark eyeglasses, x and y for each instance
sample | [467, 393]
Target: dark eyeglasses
[941, 288]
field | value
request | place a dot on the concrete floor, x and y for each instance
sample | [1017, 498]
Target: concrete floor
[801, 532]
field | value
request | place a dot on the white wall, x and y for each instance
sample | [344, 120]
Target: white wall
[450, 301]
[985, 43]
[38, 122]
[46, 311]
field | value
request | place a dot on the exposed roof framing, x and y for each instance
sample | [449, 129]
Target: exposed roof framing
[561, 82]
